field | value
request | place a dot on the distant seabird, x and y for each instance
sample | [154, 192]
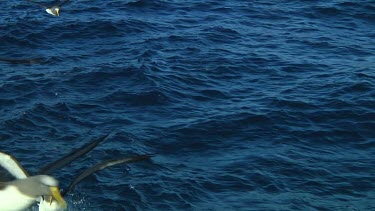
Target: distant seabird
[54, 10]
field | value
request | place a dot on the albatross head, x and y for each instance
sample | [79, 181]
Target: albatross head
[57, 11]
[41, 185]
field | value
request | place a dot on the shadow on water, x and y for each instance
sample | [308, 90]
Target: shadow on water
[27, 61]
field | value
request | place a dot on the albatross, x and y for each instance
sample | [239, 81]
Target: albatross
[23, 192]
[53, 204]
[53, 10]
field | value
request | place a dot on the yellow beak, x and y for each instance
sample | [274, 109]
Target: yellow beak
[56, 195]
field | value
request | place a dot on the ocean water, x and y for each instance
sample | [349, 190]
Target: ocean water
[249, 105]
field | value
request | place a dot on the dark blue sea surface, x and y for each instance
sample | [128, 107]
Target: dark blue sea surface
[249, 105]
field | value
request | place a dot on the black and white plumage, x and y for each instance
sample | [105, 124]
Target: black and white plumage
[46, 203]
[53, 10]
[24, 191]
[54, 205]
[12, 199]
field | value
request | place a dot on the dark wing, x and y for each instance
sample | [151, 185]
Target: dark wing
[71, 156]
[40, 4]
[62, 3]
[104, 165]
